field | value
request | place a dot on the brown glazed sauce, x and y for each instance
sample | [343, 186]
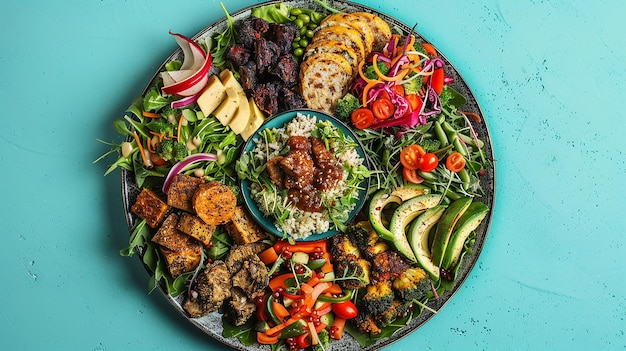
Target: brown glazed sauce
[306, 170]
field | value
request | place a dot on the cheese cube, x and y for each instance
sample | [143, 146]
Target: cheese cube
[256, 119]
[226, 110]
[242, 116]
[212, 96]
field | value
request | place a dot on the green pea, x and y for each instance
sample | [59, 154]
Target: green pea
[299, 23]
[292, 18]
[309, 34]
[302, 31]
[303, 43]
[312, 26]
[305, 18]
[295, 44]
[298, 52]
[295, 12]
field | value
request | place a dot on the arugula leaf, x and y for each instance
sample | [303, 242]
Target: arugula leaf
[154, 101]
[223, 40]
[245, 333]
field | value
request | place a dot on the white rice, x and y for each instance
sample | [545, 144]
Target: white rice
[300, 224]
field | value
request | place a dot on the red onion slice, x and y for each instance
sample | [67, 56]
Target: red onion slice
[180, 166]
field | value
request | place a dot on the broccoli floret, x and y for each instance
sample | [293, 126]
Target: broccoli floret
[352, 274]
[412, 86]
[367, 239]
[412, 284]
[351, 270]
[346, 105]
[371, 74]
[172, 150]
[378, 298]
[323, 341]
[430, 145]
[161, 125]
[398, 309]
[365, 323]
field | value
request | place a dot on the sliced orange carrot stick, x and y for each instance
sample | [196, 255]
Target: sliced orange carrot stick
[151, 114]
[141, 149]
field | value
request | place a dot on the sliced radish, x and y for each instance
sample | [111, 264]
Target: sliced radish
[192, 76]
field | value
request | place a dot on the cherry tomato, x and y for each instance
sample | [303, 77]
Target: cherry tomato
[382, 108]
[411, 176]
[345, 309]
[428, 162]
[455, 162]
[410, 156]
[362, 117]
[157, 160]
[414, 101]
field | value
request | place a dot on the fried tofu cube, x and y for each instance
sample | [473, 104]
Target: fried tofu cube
[181, 252]
[150, 207]
[196, 228]
[182, 261]
[243, 229]
[170, 237]
[181, 192]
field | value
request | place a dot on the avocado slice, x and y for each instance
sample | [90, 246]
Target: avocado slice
[402, 217]
[444, 228]
[418, 238]
[379, 201]
[410, 191]
[383, 198]
[469, 221]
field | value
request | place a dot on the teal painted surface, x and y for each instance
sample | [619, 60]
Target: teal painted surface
[549, 75]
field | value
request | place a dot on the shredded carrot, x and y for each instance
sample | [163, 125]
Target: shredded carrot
[149, 146]
[328, 266]
[334, 288]
[265, 339]
[279, 327]
[161, 136]
[280, 310]
[362, 75]
[151, 114]
[397, 77]
[141, 150]
[180, 125]
[366, 90]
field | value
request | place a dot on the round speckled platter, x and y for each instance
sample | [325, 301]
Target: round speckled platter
[211, 324]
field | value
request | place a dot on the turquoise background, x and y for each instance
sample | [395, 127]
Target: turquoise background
[549, 75]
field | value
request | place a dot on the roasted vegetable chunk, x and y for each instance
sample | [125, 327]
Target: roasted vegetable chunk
[243, 229]
[182, 253]
[214, 203]
[379, 297]
[210, 290]
[412, 284]
[150, 207]
[196, 228]
[181, 192]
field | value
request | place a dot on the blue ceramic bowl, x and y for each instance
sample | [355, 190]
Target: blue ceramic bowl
[267, 222]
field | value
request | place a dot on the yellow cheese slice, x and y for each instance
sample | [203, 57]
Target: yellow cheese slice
[226, 110]
[229, 80]
[240, 121]
[212, 96]
[257, 117]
